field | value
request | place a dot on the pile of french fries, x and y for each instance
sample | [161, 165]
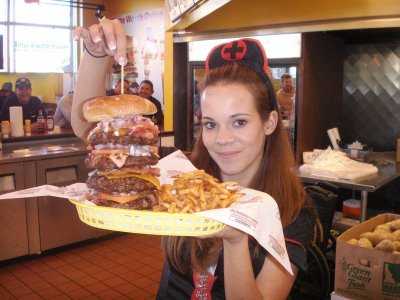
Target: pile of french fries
[196, 191]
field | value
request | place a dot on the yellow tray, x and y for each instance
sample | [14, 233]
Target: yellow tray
[146, 222]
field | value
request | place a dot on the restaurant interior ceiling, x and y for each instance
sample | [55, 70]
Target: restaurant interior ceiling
[228, 18]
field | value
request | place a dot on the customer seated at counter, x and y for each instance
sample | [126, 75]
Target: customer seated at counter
[31, 105]
[241, 139]
[146, 90]
[118, 87]
[6, 91]
[62, 116]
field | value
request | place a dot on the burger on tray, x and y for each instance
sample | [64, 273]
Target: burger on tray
[123, 152]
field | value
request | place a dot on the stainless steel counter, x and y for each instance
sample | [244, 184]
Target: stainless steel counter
[33, 225]
[19, 152]
[388, 170]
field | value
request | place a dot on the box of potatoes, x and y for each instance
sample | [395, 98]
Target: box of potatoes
[368, 259]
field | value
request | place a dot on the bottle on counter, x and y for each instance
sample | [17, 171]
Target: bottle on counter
[33, 118]
[5, 129]
[27, 127]
[50, 124]
[40, 119]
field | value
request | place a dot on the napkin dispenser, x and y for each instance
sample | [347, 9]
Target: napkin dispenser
[356, 150]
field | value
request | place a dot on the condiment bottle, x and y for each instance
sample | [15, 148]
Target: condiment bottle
[5, 129]
[50, 124]
[27, 127]
[40, 119]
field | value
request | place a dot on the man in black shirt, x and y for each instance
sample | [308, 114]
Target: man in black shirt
[31, 105]
[146, 91]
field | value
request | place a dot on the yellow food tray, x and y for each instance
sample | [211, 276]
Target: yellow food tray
[145, 221]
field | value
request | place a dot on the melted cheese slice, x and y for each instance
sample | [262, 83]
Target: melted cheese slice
[118, 159]
[121, 199]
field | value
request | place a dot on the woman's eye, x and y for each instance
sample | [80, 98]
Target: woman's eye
[240, 123]
[209, 125]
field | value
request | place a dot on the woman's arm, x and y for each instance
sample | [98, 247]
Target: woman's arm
[238, 271]
[103, 42]
[273, 282]
[90, 83]
[65, 105]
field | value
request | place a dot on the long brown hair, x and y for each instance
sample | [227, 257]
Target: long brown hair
[275, 175]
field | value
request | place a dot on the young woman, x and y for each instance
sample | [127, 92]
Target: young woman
[242, 139]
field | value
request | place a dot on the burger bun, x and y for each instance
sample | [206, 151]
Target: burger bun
[110, 107]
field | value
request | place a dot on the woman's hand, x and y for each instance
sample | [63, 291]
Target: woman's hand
[230, 235]
[107, 37]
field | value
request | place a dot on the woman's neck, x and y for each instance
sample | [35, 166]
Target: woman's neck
[240, 179]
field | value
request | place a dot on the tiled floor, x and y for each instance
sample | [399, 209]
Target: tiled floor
[126, 266]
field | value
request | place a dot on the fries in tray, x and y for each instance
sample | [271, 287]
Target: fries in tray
[174, 214]
[196, 191]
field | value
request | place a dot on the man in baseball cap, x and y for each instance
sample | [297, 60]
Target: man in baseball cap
[31, 105]
[22, 83]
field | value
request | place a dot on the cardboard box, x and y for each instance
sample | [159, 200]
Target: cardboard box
[343, 295]
[366, 273]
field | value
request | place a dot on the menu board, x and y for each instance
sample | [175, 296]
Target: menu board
[174, 10]
[185, 5]
[177, 8]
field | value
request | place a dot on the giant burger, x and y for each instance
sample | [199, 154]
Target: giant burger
[122, 152]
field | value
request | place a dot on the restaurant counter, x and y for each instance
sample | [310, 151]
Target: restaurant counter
[32, 225]
[36, 136]
[65, 135]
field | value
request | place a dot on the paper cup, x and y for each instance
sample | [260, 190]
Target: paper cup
[332, 137]
[17, 122]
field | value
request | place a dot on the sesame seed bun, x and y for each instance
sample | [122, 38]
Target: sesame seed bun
[109, 107]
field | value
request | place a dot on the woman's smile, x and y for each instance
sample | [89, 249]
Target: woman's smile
[227, 154]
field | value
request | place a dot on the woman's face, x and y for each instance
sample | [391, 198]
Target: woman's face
[233, 131]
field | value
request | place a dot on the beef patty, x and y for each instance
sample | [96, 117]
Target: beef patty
[148, 201]
[100, 137]
[118, 185]
[103, 162]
